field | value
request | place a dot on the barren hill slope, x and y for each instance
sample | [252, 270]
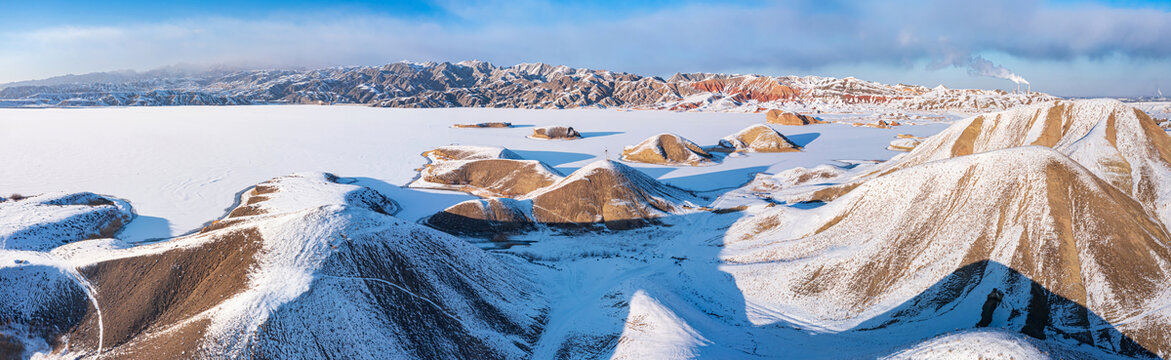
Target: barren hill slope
[305, 267]
[667, 149]
[483, 171]
[1045, 217]
[602, 193]
[1115, 141]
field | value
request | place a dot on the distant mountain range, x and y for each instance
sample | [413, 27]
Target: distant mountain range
[481, 84]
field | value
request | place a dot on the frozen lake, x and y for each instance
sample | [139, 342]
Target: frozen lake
[181, 167]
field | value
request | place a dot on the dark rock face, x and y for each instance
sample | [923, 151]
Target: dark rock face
[465, 84]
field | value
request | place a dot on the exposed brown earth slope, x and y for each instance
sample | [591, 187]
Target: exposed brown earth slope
[483, 171]
[1032, 209]
[556, 133]
[667, 149]
[1115, 141]
[758, 138]
[305, 267]
[604, 193]
[781, 117]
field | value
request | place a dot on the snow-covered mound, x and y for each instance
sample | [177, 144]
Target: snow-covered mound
[1115, 141]
[605, 193]
[667, 149]
[758, 138]
[904, 144]
[780, 117]
[485, 217]
[306, 266]
[926, 246]
[469, 152]
[483, 171]
[555, 133]
[43, 222]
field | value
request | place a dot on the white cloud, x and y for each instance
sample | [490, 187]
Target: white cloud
[787, 35]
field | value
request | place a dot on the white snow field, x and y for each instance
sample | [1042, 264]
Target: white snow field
[180, 167]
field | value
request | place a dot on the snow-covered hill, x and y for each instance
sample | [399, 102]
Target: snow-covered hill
[1115, 141]
[1045, 200]
[46, 221]
[306, 266]
[603, 193]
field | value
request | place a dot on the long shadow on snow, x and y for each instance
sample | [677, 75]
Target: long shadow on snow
[719, 180]
[414, 203]
[990, 294]
[983, 294]
[593, 134]
[552, 158]
[397, 299]
[682, 259]
[803, 140]
[960, 301]
[708, 300]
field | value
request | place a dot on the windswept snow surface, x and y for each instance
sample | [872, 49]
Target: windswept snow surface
[182, 166]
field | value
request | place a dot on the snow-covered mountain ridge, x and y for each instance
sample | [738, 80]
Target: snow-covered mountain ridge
[481, 84]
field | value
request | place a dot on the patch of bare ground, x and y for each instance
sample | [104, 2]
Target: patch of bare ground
[965, 143]
[667, 149]
[1160, 141]
[758, 138]
[556, 133]
[1056, 125]
[788, 118]
[484, 125]
[153, 292]
[499, 177]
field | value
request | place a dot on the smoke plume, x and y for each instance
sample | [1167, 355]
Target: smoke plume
[978, 66]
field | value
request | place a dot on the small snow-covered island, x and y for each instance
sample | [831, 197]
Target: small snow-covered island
[585, 180]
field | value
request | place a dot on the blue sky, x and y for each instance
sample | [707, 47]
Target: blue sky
[1065, 47]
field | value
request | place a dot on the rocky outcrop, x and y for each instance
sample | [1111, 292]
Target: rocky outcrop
[556, 133]
[788, 118]
[484, 125]
[485, 217]
[758, 138]
[483, 171]
[667, 149]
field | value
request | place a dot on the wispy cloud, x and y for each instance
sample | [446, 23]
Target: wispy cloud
[799, 35]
